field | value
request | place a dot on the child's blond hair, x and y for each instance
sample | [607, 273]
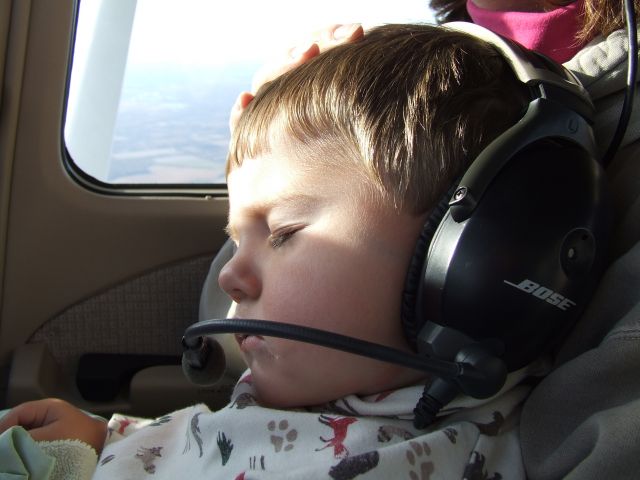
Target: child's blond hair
[411, 105]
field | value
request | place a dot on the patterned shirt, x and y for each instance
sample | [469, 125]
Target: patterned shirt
[363, 437]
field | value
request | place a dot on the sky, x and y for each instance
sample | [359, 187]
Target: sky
[209, 32]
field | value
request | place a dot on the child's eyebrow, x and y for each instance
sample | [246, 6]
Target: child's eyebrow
[297, 200]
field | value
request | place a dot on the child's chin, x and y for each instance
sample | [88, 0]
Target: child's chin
[276, 395]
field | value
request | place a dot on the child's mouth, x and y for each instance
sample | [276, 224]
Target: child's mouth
[245, 340]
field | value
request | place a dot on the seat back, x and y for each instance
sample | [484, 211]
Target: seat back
[214, 303]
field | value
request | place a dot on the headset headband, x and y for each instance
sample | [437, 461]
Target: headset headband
[530, 67]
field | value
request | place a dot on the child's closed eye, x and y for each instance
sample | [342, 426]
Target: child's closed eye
[279, 237]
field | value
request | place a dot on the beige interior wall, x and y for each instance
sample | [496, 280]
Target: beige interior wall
[13, 28]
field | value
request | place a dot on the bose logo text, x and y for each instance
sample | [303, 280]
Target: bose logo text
[543, 293]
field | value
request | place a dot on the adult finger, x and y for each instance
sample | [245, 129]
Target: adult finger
[319, 41]
[294, 57]
[338, 34]
[240, 104]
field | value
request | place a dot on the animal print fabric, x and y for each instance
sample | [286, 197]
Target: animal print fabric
[354, 437]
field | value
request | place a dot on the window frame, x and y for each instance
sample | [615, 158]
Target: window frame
[95, 185]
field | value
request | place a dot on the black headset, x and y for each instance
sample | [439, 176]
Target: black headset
[511, 255]
[507, 260]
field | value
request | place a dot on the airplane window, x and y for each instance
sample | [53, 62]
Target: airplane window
[153, 81]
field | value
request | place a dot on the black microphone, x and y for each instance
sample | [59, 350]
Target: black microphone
[476, 371]
[203, 360]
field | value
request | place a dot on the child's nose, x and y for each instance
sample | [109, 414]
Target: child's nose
[239, 278]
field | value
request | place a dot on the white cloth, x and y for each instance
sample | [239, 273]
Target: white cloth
[371, 437]
[75, 460]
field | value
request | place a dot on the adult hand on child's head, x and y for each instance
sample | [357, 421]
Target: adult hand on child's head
[318, 42]
[54, 419]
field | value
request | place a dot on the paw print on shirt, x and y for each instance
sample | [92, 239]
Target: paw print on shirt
[281, 434]
[421, 467]
[451, 434]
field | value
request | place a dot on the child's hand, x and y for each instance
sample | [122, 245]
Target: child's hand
[319, 41]
[53, 419]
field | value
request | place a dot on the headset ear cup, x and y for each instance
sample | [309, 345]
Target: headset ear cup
[410, 323]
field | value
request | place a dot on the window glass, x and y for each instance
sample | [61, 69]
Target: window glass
[153, 81]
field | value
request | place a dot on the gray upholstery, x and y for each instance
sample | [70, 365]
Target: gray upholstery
[214, 303]
[583, 420]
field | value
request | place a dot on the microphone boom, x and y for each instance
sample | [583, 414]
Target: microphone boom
[441, 368]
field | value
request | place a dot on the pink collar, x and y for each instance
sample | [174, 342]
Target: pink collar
[552, 33]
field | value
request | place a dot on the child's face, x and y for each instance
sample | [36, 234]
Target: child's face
[315, 248]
